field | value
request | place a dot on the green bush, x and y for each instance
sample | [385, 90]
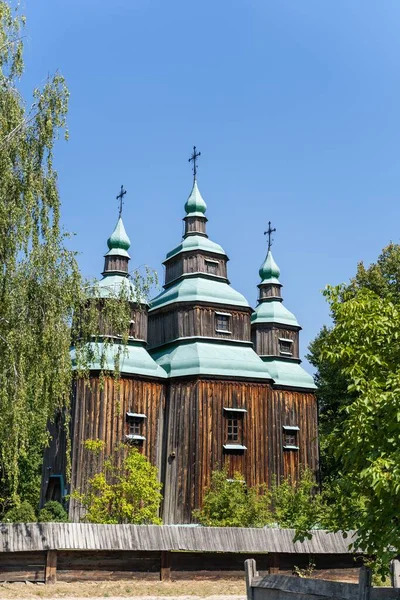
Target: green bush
[21, 513]
[53, 512]
[230, 503]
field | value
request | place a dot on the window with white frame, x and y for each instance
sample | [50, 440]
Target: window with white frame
[211, 266]
[285, 347]
[291, 437]
[135, 423]
[223, 322]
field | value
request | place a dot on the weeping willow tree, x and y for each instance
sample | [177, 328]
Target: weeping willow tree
[41, 289]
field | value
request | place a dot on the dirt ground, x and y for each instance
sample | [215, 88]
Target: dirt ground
[115, 590]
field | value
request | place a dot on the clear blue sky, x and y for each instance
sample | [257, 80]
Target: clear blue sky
[293, 104]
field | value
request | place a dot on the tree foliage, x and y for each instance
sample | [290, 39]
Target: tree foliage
[41, 290]
[53, 512]
[127, 490]
[288, 504]
[334, 392]
[230, 503]
[364, 344]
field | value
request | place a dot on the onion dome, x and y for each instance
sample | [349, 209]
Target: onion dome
[195, 205]
[119, 242]
[269, 270]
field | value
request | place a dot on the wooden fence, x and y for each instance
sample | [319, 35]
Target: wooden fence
[279, 587]
[83, 551]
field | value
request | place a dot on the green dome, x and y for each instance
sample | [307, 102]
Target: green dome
[195, 205]
[269, 270]
[213, 359]
[289, 374]
[119, 240]
[196, 242]
[273, 312]
[199, 289]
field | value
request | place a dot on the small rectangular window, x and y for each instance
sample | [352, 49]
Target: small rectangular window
[290, 437]
[223, 322]
[286, 347]
[212, 266]
[233, 429]
[135, 427]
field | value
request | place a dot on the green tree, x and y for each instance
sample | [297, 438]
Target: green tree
[127, 490]
[41, 290]
[364, 346]
[335, 393]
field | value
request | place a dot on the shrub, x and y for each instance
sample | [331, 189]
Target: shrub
[21, 513]
[230, 503]
[53, 512]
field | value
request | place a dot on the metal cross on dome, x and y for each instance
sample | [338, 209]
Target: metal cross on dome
[269, 233]
[195, 155]
[120, 197]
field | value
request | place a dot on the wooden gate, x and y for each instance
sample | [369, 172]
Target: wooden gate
[280, 587]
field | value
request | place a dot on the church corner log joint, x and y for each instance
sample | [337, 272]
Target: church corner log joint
[205, 380]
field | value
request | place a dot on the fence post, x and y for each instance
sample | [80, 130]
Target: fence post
[364, 583]
[165, 570]
[395, 573]
[50, 575]
[251, 572]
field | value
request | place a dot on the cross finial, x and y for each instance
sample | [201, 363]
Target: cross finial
[120, 197]
[269, 233]
[194, 157]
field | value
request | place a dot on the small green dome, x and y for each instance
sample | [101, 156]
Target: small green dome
[119, 240]
[269, 270]
[195, 204]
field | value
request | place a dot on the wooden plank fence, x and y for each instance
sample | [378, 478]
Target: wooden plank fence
[83, 551]
[279, 587]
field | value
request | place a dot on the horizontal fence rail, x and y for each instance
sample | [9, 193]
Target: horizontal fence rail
[28, 537]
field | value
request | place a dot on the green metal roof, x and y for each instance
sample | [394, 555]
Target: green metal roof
[208, 358]
[269, 270]
[199, 289]
[134, 360]
[195, 205]
[289, 373]
[196, 242]
[273, 311]
[115, 286]
[119, 240]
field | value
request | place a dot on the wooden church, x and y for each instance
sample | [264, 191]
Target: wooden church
[205, 381]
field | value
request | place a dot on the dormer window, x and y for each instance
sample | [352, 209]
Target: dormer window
[223, 322]
[211, 266]
[135, 427]
[285, 347]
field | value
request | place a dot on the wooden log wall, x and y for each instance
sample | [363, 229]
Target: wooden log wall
[194, 262]
[292, 408]
[138, 323]
[197, 432]
[195, 225]
[270, 291]
[265, 338]
[180, 321]
[116, 263]
[99, 413]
